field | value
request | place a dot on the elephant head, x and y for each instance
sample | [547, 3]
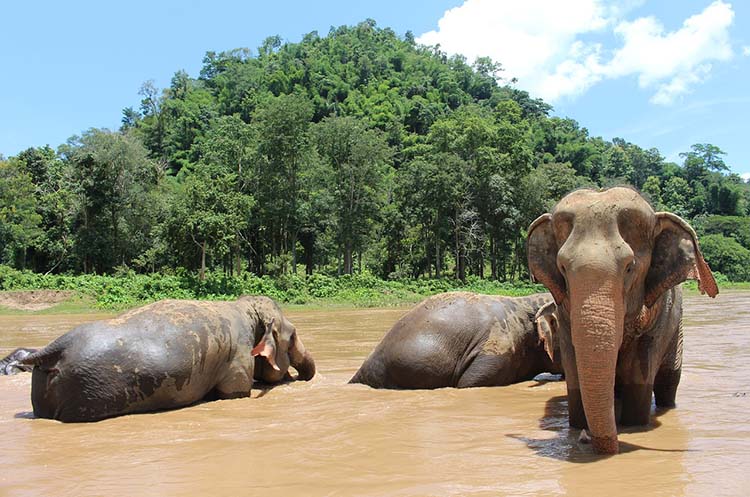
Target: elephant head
[608, 258]
[279, 345]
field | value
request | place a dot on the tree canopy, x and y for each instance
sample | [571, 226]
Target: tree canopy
[355, 151]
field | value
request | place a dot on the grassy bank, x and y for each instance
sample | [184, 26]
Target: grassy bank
[112, 293]
[361, 290]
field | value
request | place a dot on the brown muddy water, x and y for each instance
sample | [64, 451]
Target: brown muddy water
[325, 437]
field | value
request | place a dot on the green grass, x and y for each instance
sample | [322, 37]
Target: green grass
[96, 293]
[114, 293]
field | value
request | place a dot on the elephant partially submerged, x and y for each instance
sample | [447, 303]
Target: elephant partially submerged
[165, 355]
[461, 339]
[613, 266]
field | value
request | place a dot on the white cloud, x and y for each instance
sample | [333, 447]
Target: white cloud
[746, 50]
[745, 176]
[547, 44]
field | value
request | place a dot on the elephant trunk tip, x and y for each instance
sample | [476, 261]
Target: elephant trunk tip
[605, 445]
[306, 368]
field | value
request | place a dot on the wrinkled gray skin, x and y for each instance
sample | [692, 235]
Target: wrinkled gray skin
[461, 339]
[613, 266]
[165, 355]
[9, 364]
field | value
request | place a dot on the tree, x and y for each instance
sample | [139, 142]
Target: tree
[357, 162]
[284, 147]
[110, 175]
[209, 211]
[19, 222]
[54, 202]
[652, 190]
[434, 191]
[617, 164]
[676, 195]
[726, 256]
[703, 158]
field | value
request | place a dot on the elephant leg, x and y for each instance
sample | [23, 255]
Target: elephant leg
[237, 383]
[636, 404]
[665, 387]
[576, 414]
[668, 377]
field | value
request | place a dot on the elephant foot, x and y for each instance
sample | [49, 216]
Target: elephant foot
[601, 445]
[605, 445]
[665, 388]
[636, 404]
[665, 395]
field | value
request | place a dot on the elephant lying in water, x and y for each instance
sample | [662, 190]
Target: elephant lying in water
[10, 364]
[613, 265]
[462, 339]
[165, 355]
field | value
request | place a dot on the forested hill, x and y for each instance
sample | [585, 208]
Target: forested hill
[355, 151]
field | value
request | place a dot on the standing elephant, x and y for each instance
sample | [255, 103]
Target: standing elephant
[165, 355]
[460, 339]
[613, 266]
[10, 364]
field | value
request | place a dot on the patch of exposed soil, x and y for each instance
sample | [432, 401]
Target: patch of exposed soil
[34, 300]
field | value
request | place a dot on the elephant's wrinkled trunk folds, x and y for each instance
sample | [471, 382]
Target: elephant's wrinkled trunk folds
[301, 360]
[597, 319]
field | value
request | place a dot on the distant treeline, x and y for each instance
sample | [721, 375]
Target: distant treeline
[359, 151]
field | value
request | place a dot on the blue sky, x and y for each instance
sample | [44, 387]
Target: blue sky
[662, 74]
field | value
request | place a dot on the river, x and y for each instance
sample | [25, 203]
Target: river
[325, 437]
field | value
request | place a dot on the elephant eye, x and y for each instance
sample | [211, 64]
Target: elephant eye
[630, 267]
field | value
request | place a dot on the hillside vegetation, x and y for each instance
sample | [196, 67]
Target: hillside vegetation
[358, 152]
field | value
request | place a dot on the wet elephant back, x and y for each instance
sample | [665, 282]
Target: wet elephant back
[168, 354]
[509, 350]
[434, 344]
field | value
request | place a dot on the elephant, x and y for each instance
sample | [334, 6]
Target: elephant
[9, 364]
[460, 339]
[614, 268]
[165, 355]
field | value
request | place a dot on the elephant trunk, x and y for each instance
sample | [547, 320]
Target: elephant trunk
[597, 319]
[301, 360]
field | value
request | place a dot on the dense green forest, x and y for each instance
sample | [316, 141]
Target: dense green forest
[356, 152]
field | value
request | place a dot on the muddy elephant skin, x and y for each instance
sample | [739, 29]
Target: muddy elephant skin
[10, 364]
[460, 339]
[165, 355]
[613, 266]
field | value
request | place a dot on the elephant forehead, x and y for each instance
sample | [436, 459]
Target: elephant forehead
[609, 204]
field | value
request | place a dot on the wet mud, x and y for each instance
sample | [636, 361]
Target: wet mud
[325, 437]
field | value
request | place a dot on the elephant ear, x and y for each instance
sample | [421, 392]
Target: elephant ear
[676, 257]
[267, 346]
[546, 327]
[541, 252]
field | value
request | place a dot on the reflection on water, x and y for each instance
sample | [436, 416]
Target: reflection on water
[325, 437]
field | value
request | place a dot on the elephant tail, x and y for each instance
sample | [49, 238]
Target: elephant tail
[46, 357]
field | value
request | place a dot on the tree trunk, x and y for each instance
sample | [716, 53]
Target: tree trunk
[495, 261]
[294, 253]
[437, 257]
[203, 261]
[115, 236]
[348, 258]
